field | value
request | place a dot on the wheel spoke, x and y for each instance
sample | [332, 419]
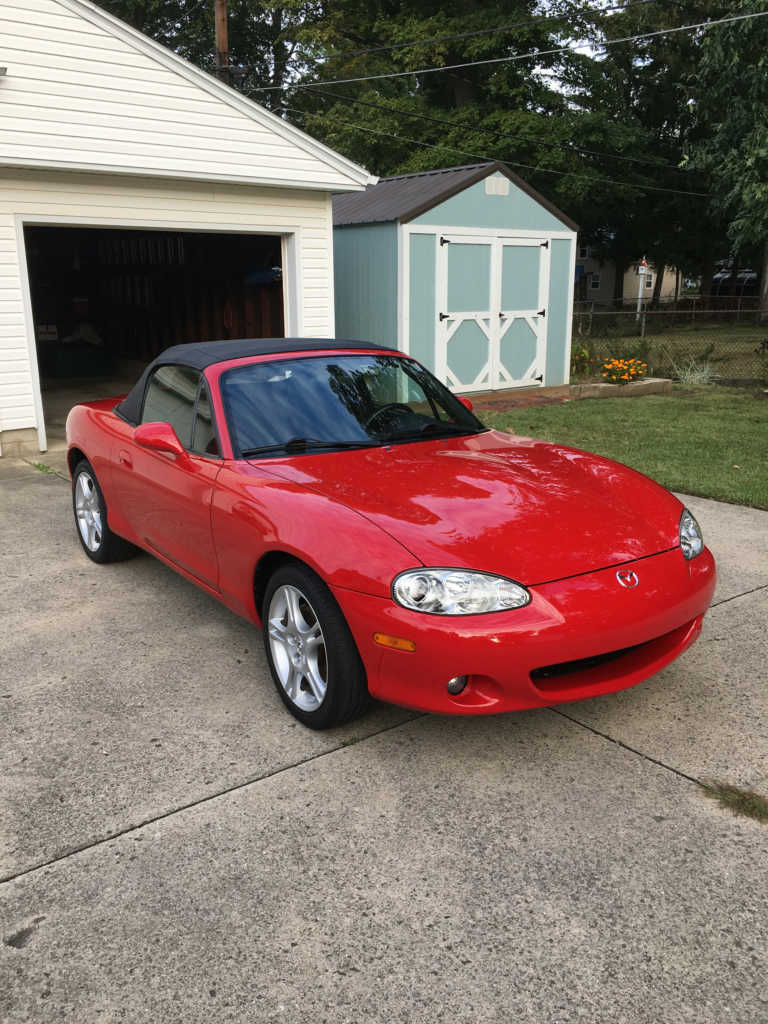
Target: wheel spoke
[313, 638]
[292, 683]
[294, 612]
[316, 684]
[278, 630]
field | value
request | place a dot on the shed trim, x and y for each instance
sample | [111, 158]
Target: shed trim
[485, 233]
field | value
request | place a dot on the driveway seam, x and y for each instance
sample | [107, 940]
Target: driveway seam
[632, 750]
[196, 803]
[725, 600]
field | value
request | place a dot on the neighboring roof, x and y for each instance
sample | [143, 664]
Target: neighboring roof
[201, 354]
[345, 172]
[407, 196]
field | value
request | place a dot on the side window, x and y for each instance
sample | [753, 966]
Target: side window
[204, 437]
[170, 398]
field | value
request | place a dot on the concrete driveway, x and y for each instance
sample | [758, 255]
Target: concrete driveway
[174, 847]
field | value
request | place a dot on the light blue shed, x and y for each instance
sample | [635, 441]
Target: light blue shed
[468, 269]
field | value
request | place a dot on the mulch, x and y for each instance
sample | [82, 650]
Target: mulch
[503, 402]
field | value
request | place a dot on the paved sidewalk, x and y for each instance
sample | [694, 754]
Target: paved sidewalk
[175, 848]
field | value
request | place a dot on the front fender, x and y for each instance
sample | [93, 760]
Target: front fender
[255, 513]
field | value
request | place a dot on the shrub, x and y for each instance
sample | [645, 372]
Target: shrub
[581, 361]
[693, 372]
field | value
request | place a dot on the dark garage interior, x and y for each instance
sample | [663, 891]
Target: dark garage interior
[105, 301]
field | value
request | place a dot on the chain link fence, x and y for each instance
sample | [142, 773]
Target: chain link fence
[695, 339]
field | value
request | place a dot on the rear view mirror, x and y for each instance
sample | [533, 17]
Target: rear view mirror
[159, 437]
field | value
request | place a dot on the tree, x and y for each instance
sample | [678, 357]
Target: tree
[728, 137]
[642, 88]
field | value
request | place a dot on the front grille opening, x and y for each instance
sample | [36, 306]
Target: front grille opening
[566, 668]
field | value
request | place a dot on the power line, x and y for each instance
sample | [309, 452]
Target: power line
[499, 135]
[520, 56]
[489, 159]
[544, 18]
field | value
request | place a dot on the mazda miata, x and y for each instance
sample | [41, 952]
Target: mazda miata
[389, 544]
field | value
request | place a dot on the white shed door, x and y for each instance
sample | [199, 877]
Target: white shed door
[491, 294]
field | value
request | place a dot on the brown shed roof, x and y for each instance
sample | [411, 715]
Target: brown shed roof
[407, 196]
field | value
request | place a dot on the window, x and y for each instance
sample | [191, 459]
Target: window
[204, 438]
[649, 280]
[321, 402]
[594, 281]
[170, 398]
[583, 252]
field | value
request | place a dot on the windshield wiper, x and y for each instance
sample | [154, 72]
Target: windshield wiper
[301, 444]
[433, 430]
[438, 427]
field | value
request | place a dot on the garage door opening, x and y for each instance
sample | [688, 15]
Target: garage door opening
[105, 301]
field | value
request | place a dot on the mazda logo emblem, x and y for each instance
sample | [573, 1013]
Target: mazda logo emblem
[627, 578]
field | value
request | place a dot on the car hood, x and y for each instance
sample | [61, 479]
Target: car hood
[525, 509]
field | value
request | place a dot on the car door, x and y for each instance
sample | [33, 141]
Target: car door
[167, 499]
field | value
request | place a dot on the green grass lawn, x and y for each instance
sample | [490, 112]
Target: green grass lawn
[709, 441]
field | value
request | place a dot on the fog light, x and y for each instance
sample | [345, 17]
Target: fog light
[457, 684]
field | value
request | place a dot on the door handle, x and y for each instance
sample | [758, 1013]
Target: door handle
[125, 459]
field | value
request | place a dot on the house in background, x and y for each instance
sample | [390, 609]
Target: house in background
[596, 280]
[468, 269]
[142, 204]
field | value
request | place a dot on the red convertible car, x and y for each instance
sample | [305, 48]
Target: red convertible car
[390, 544]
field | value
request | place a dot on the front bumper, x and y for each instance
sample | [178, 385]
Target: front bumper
[579, 637]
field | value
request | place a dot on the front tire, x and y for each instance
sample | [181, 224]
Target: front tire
[310, 650]
[90, 510]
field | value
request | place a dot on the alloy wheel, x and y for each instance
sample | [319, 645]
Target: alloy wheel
[297, 646]
[88, 511]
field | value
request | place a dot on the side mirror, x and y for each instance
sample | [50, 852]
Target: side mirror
[465, 402]
[159, 437]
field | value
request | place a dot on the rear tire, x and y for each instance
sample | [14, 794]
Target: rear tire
[90, 510]
[310, 650]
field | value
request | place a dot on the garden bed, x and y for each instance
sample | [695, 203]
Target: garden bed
[599, 389]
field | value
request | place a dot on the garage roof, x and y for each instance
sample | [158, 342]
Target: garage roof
[84, 91]
[406, 196]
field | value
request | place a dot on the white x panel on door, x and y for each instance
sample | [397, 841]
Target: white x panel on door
[491, 297]
[523, 272]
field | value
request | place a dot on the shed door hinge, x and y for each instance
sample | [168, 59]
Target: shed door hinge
[444, 240]
[540, 377]
[542, 312]
[545, 245]
[443, 316]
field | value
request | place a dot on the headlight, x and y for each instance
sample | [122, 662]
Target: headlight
[456, 592]
[691, 540]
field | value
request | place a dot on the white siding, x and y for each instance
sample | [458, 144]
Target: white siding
[112, 201]
[84, 91]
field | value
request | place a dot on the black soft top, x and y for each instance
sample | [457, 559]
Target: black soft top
[200, 354]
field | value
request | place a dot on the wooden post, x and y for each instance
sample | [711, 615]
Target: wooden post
[222, 43]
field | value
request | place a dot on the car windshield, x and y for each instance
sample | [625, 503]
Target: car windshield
[337, 401]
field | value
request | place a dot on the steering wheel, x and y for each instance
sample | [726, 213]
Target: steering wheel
[386, 408]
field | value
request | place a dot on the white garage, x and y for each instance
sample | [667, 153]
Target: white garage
[142, 204]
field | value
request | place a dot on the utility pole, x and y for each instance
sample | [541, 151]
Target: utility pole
[222, 44]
